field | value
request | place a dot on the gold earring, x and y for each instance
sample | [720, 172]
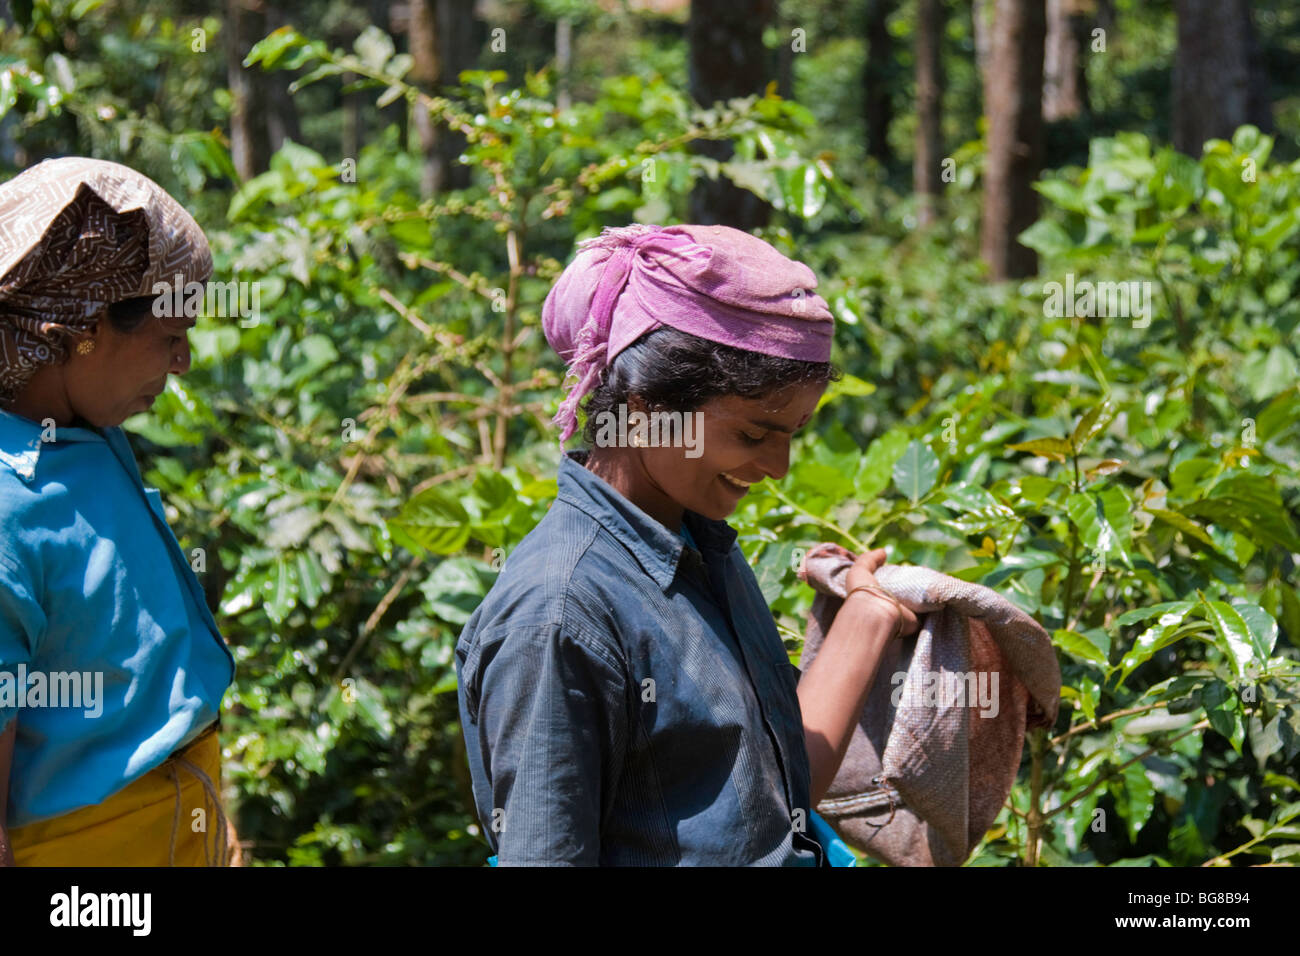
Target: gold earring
[85, 346]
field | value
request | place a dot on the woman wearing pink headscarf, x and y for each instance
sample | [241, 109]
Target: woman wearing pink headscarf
[624, 693]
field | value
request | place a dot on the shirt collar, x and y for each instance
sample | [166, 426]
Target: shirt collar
[22, 440]
[657, 549]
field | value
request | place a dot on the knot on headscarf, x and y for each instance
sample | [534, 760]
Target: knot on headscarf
[76, 235]
[714, 282]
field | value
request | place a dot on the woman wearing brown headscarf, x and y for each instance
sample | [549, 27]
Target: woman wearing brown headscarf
[112, 669]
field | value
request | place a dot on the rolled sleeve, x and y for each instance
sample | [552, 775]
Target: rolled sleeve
[552, 725]
[22, 621]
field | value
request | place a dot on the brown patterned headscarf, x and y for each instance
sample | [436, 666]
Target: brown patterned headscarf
[76, 235]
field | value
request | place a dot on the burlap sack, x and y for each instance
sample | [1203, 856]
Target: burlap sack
[924, 778]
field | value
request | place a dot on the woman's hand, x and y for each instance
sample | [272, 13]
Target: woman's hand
[863, 573]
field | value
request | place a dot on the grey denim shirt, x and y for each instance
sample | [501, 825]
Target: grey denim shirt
[626, 699]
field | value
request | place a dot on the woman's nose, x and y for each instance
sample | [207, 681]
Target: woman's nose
[775, 459]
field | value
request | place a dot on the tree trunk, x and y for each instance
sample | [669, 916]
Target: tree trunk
[249, 147]
[878, 107]
[1065, 79]
[930, 17]
[425, 70]
[460, 41]
[281, 114]
[727, 60]
[395, 20]
[1013, 103]
[352, 131]
[1219, 83]
[563, 61]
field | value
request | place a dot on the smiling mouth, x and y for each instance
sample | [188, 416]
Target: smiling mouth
[736, 483]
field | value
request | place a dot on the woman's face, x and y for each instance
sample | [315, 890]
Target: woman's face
[744, 440]
[127, 370]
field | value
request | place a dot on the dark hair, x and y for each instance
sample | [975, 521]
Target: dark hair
[675, 370]
[129, 314]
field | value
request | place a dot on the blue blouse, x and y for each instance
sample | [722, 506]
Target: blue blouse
[109, 657]
[627, 700]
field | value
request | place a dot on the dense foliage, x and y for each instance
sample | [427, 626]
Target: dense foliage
[349, 468]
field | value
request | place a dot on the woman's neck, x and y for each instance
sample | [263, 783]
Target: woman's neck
[623, 472]
[44, 398]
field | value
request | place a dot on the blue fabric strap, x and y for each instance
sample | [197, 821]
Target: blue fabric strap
[837, 851]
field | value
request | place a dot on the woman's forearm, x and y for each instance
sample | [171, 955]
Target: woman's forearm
[833, 691]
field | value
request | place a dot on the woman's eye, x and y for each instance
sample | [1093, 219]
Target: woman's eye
[750, 439]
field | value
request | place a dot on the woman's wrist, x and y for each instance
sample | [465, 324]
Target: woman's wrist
[881, 604]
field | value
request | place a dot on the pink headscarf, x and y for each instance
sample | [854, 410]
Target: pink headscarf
[715, 282]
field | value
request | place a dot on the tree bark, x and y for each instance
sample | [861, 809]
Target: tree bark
[878, 106]
[249, 146]
[1065, 80]
[1013, 103]
[727, 60]
[281, 114]
[563, 61]
[425, 70]
[459, 35]
[1219, 82]
[930, 17]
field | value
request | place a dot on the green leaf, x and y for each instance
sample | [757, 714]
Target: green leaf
[1077, 645]
[1235, 638]
[1266, 374]
[1093, 421]
[878, 463]
[433, 520]
[1137, 615]
[370, 708]
[849, 385]
[1057, 449]
[1087, 692]
[1063, 194]
[1135, 799]
[280, 591]
[1104, 520]
[803, 190]
[1184, 524]
[774, 569]
[1148, 643]
[312, 579]
[1223, 708]
[1265, 736]
[270, 49]
[916, 471]
[1263, 628]
[1250, 504]
[374, 47]
[455, 588]
[1047, 238]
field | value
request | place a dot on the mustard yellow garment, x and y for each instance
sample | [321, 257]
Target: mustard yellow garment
[143, 824]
